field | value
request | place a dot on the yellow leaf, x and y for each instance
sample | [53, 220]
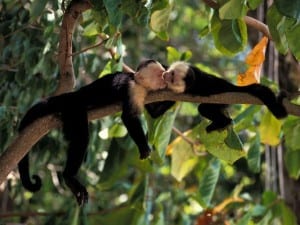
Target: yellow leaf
[257, 55]
[269, 129]
[184, 158]
[254, 60]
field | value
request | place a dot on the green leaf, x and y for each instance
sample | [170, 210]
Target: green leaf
[245, 118]
[267, 219]
[163, 35]
[115, 15]
[183, 158]
[91, 30]
[245, 220]
[75, 218]
[37, 8]
[291, 129]
[254, 156]
[214, 143]
[233, 9]
[292, 35]
[209, 180]
[159, 131]
[174, 55]
[117, 130]
[275, 23]
[230, 36]
[114, 168]
[99, 15]
[284, 213]
[270, 129]
[253, 4]
[159, 21]
[232, 140]
[289, 8]
[288, 216]
[292, 159]
[268, 198]
[258, 210]
[127, 214]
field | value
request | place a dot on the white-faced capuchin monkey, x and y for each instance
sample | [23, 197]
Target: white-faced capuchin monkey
[181, 77]
[71, 108]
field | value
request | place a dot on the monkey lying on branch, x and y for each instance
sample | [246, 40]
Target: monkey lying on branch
[184, 78]
[128, 88]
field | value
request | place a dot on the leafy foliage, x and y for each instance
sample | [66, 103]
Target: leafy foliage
[191, 175]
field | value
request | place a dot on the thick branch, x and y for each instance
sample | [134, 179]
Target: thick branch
[33, 133]
[67, 77]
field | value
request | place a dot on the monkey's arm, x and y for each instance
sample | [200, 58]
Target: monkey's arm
[130, 118]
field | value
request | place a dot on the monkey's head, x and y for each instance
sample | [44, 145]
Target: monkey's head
[179, 77]
[149, 74]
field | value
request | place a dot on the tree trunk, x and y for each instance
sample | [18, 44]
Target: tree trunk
[280, 69]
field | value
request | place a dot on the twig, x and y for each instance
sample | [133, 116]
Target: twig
[189, 141]
[179, 133]
[258, 25]
[88, 48]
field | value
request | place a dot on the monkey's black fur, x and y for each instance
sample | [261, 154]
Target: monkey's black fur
[72, 109]
[199, 83]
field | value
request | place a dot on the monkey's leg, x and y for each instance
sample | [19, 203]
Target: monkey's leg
[131, 120]
[156, 109]
[215, 113]
[75, 127]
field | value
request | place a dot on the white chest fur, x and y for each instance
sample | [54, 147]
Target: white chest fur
[138, 94]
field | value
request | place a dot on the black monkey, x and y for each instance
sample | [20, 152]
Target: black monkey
[184, 78]
[128, 88]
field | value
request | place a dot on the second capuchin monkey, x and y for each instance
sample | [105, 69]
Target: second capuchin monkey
[182, 77]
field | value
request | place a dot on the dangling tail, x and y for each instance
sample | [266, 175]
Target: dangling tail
[23, 167]
[267, 96]
[39, 110]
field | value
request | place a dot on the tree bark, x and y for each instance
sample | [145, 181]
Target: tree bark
[67, 77]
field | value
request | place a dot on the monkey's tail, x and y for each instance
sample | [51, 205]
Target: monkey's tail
[39, 110]
[23, 167]
[267, 96]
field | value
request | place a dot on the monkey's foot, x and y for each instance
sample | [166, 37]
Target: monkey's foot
[220, 125]
[280, 112]
[77, 189]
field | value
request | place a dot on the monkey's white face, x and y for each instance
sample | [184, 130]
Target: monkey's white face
[174, 76]
[151, 77]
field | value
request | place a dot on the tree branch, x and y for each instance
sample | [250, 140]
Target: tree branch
[67, 78]
[33, 133]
